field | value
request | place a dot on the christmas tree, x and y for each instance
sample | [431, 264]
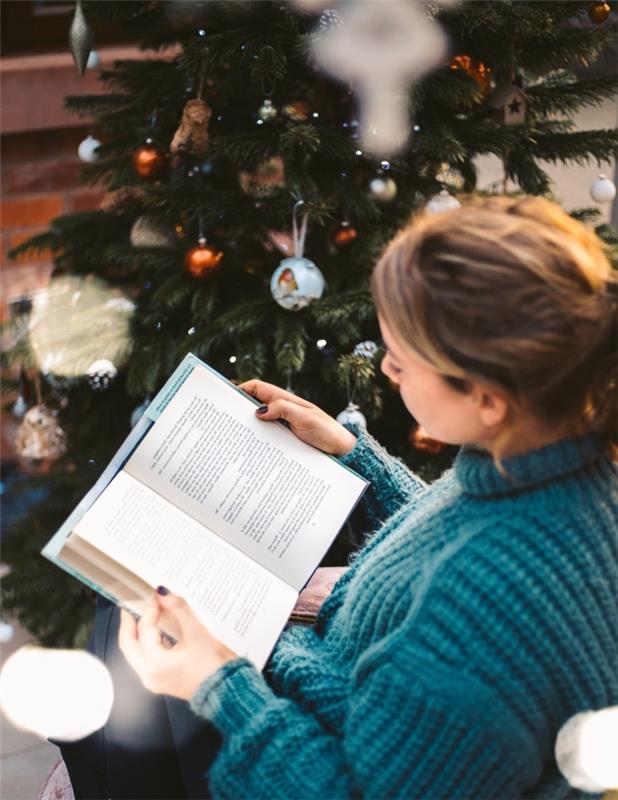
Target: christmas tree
[214, 150]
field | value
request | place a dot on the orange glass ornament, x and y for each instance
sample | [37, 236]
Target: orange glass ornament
[475, 69]
[421, 440]
[344, 234]
[599, 12]
[149, 161]
[202, 260]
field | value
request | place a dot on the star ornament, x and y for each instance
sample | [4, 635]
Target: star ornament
[515, 106]
[381, 48]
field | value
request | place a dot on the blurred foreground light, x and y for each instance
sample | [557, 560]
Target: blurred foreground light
[78, 320]
[587, 748]
[58, 694]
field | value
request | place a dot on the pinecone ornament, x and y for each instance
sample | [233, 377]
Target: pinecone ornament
[40, 436]
[192, 134]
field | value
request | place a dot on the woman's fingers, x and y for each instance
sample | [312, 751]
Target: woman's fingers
[268, 392]
[181, 611]
[297, 416]
[128, 640]
[148, 631]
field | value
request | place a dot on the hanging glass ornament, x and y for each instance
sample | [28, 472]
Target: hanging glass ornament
[352, 416]
[366, 349]
[297, 281]
[80, 38]
[87, 150]
[267, 111]
[422, 441]
[40, 436]
[202, 261]
[443, 201]
[100, 374]
[149, 160]
[344, 234]
[599, 12]
[383, 188]
[603, 190]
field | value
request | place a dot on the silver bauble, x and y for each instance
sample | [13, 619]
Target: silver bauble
[267, 111]
[296, 282]
[383, 188]
[87, 150]
[149, 231]
[603, 190]
[366, 349]
[352, 416]
[443, 201]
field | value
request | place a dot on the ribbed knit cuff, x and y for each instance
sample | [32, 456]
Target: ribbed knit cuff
[364, 451]
[233, 695]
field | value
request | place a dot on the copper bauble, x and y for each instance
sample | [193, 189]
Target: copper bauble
[599, 12]
[421, 440]
[344, 234]
[475, 69]
[149, 161]
[202, 260]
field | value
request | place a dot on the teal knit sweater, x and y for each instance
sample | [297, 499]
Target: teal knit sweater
[480, 616]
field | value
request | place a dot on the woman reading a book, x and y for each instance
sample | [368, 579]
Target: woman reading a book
[482, 612]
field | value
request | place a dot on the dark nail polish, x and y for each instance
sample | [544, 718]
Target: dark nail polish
[262, 410]
[162, 590]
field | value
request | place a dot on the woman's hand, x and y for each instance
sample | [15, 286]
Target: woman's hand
[306, 420]
[176, 670]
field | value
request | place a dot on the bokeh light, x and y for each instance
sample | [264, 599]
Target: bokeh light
[58, 694]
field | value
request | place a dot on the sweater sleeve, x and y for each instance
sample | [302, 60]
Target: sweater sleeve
[401, 738]
[392, 484]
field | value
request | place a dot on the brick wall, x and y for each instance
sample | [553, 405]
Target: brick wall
[40, 181]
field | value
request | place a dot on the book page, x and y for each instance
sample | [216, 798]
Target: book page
[254, 483]
[241, 603]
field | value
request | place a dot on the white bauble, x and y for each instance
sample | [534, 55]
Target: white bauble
[296, 282]
[7, 631]
[383, 188]
[443, 201]
[586, 749]
[603, 190]
[93, 60]
[352, 416]
[87, 150]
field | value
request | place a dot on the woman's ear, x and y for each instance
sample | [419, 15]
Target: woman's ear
[492, 406]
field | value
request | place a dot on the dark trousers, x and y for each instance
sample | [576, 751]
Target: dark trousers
[152, 748]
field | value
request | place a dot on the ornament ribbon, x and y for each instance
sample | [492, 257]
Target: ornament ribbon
[299, 235]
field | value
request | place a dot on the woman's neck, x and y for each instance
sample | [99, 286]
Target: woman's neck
[525, 436]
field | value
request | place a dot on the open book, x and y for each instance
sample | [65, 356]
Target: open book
[231, 513]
